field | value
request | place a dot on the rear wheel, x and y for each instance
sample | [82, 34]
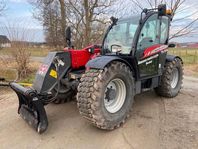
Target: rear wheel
[171, 80]
[105, 96]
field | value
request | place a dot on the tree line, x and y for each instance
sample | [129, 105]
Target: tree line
[89, 18]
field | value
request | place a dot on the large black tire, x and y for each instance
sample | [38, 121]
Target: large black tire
[64, 97]
[64, 94]
[92, 94]
[167, 88]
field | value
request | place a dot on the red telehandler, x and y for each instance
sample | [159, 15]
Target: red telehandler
[132, 59]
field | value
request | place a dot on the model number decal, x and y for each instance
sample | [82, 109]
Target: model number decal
[148, 59]
[149, 62]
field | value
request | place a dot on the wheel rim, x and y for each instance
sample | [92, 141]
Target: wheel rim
[115, 95]
[175, 78]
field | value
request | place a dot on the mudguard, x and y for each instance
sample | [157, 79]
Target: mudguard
[101, 61]
[170, 58]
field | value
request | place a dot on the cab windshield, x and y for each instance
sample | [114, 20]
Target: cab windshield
[120, 37]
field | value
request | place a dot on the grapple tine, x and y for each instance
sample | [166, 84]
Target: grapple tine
[31, 107]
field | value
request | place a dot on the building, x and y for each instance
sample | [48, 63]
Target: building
[4, 42]
[188, 45]
[193, 45]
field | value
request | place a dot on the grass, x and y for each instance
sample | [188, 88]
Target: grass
[29, 79]
[189, 56]
[191, 70]
[11, 75]
[9, 72]
[40, 52]
[8, 66]
[190, 59]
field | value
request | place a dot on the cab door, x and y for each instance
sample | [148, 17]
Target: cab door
[149, 47]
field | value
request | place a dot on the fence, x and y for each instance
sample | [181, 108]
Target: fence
[189, 56]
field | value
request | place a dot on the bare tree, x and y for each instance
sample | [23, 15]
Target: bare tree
[177, 7]
[2, 6]
[63, 20]
[52, 25]
[19, 33]
[87, 18]
[51, 13]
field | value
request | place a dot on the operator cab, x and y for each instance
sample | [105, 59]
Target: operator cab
[120, 37]
[141, 40]
[136, 33]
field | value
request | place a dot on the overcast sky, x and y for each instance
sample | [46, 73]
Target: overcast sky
[21, 10]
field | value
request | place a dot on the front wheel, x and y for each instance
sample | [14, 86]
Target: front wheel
[65, 94]
[171, 80]
[105, 96]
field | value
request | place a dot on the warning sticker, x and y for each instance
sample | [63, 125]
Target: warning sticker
[53, 73]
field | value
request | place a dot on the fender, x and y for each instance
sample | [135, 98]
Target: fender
[102, 61]
[170, 58]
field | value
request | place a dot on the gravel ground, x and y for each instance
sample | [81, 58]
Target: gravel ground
[155, 123]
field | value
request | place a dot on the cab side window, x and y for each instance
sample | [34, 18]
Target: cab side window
[164, 30]
[149, 34]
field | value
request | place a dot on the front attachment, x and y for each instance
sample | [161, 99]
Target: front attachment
[31, 108]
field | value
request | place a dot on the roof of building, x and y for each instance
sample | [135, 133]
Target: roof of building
[4, 39]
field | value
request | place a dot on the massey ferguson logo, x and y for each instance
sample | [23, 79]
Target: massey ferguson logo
[154, 49]
[159, 49]
[43, 69]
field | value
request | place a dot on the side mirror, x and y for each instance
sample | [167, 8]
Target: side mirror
[114, 20]
[68, 36]
[171, 45]
[68, 33]
[116, 48]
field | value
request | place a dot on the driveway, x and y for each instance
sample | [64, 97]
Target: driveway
[155, 123]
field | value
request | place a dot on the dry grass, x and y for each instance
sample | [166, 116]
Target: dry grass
[190, 59]
[33, 67]
[191, 70]
[33, 51]
[189, 56]
[8, 66]
[8, 69]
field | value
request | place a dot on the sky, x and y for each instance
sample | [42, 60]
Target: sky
[20, 13]
[189, 7]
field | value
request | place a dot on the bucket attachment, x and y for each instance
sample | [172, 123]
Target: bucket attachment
[31, 108]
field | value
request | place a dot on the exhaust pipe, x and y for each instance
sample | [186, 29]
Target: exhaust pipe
[31, 108]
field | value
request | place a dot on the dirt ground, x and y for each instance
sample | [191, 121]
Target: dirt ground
[155, 123]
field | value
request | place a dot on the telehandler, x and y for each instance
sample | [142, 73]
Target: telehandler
[105, 78]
